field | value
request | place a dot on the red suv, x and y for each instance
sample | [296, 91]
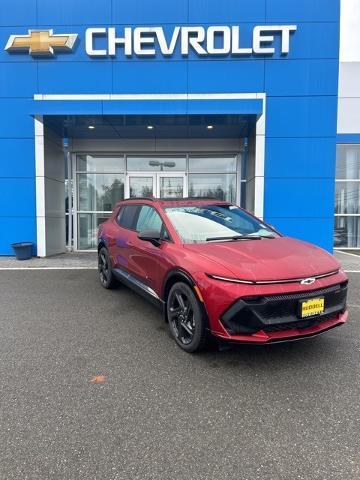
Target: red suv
[216, 270]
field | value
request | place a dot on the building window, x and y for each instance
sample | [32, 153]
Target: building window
[100, 185]
[347, 197]
[213, 177]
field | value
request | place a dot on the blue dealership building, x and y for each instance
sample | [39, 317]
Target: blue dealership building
[102, 100]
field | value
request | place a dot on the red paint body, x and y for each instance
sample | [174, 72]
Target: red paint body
[282, 259]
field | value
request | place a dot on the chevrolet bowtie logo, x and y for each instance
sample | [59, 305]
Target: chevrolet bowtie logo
[41, 42]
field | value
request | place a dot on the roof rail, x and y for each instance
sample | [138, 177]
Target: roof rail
[189, 198]
[154, 199]
[201, 198]
[151, 199]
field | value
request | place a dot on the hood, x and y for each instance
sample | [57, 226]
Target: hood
[281, 258]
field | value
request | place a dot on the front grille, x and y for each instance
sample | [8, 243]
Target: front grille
[304, 295]
[274, 313]
[299, 325]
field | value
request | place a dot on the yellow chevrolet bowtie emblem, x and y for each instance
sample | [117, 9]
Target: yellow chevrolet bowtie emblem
[41, 42]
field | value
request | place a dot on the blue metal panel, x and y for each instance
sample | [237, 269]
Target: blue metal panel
[226, 76]
[66, 107]
[146, 107]
[300, 158]
[205, 11]
[299, 197]
[301, 117]
[225, 107]
[315, 230]
[17, 157]
[16, 229]
[311, 40]
[348, 138]
[70, 12]
[155, 12]
[12, 78]
[17, 197]
[133, 77]
[301, 77]
[302, 11]
[128, 107]
[75, 77]
[17, 122]
[17, 12]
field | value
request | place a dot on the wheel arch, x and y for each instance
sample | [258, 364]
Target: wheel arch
[101, 244]
[174, 276]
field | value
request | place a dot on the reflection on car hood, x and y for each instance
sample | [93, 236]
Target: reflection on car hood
[282, 258]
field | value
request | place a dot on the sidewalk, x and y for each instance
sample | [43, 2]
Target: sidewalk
[349, 262]
[88, 261]
[64, 261]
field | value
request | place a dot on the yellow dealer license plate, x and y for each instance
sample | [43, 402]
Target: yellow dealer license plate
[315, 306]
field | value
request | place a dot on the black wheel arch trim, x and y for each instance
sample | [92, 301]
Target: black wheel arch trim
[178, 272]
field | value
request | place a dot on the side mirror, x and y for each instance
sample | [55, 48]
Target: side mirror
[152, 236]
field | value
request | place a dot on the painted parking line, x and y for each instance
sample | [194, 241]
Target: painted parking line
[47, 268]
[348, 253]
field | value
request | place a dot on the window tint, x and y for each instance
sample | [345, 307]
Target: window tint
[127, 216]
[148, 219]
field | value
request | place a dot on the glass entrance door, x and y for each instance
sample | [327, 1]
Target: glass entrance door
[160, 185]
[171, 185]
[141, 185]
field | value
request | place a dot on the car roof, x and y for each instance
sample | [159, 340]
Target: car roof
[172, 202]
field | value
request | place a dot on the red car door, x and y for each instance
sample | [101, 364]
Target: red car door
[149, 263]
[124, 236]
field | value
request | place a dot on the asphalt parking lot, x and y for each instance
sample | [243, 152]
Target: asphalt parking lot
[92, 387]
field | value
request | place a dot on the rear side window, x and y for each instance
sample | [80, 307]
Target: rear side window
[127, 216]
[148, 219]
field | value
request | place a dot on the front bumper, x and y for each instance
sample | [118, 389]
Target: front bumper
[294, 333]
[270, 318]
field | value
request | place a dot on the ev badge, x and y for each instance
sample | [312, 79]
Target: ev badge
[307, 281]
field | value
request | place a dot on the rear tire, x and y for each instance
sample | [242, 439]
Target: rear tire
[106, 275]
[187, 322]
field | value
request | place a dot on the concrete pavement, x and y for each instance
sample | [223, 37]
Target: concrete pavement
[282, 412]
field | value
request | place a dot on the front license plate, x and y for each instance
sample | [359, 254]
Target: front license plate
[315, 306]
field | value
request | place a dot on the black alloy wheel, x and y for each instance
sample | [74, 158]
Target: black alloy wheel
[106, 275]
[186, 319]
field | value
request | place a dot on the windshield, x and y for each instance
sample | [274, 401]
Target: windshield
[205, 223]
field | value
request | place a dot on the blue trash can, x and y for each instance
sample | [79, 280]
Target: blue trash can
[23, 250]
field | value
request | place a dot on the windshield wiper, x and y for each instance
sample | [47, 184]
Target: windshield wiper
[241, 237]
[236, 237]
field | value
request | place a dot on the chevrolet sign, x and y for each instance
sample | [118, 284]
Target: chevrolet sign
[144, 41]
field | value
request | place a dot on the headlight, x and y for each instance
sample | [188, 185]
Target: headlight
[229, 279]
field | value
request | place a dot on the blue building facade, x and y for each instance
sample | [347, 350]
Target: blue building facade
[255, 81]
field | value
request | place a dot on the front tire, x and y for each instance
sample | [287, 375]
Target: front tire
[106, 275]
[187, 321]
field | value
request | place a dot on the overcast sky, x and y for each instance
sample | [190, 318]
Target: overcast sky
[350, 31]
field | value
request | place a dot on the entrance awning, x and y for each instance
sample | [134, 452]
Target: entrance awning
[150, 126]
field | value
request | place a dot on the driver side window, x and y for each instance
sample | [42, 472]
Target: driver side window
[149, 219]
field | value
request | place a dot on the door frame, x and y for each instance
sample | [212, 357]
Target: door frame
[156, 181]
[142, 175]
[171, 175]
